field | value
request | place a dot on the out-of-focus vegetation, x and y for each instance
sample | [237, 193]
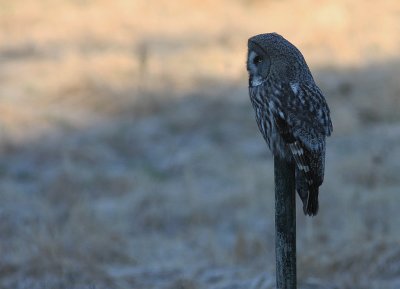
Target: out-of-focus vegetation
[130, 157]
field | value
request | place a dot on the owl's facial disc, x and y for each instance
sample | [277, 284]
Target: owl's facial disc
[258, 68]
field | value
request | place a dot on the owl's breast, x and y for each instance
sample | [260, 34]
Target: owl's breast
[266, 122]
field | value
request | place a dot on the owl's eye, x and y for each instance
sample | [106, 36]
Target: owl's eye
[257, 60]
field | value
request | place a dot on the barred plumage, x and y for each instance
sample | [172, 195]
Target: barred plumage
[291, 111]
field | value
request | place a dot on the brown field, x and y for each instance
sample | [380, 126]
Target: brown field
[130, 157]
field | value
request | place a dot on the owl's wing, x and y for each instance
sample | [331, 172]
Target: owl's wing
[304, 110]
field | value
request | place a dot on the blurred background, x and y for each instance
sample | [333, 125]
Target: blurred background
[130, 157]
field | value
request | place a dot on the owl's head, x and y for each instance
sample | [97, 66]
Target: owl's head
[271, 55]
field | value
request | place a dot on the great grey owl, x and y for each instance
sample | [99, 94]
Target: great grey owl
[291, 111]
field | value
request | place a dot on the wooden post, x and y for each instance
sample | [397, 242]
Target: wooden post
[285, 224]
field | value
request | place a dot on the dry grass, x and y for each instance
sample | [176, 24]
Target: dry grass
[130, 157]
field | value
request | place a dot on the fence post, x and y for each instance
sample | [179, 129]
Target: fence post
[285, 224]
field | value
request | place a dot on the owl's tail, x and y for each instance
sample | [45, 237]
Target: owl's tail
[311, 206]
[308, 176]
[308, 194]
